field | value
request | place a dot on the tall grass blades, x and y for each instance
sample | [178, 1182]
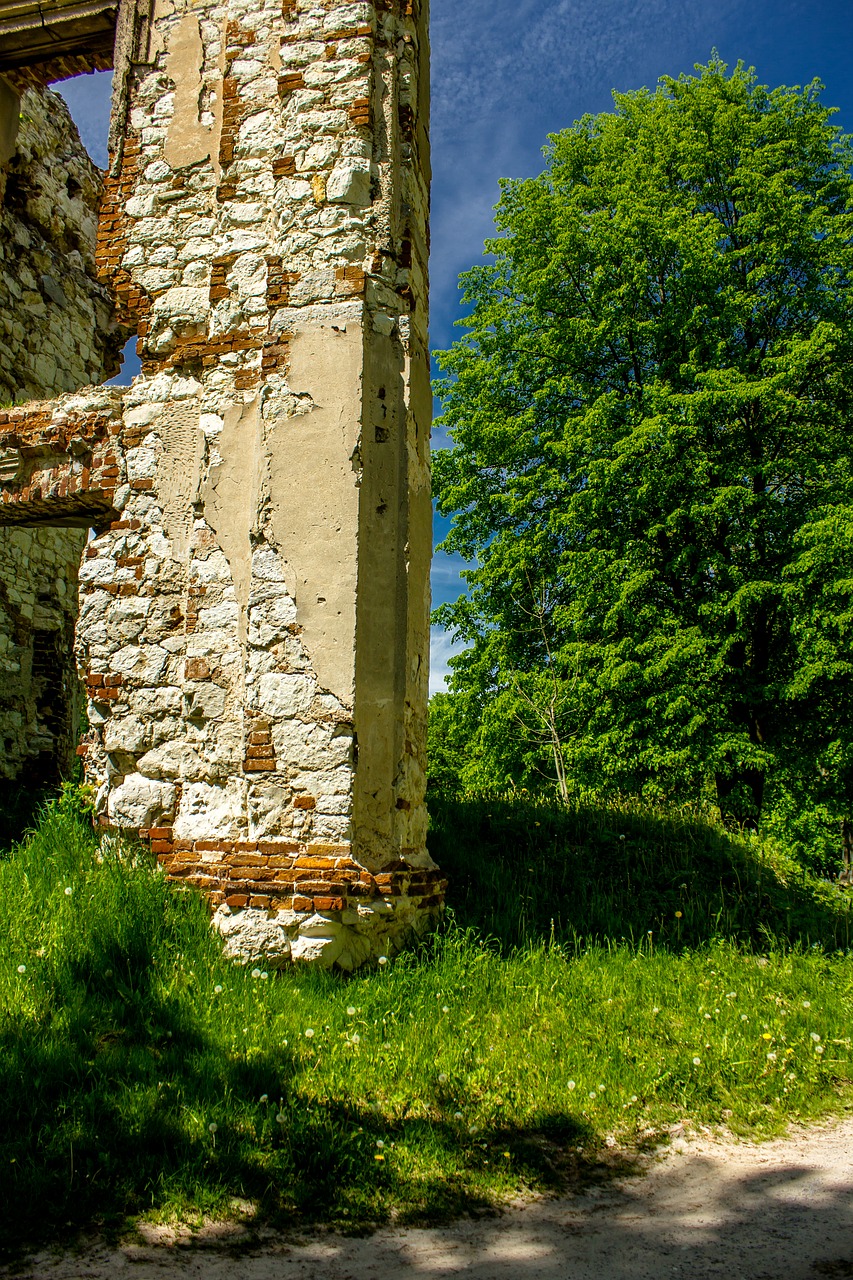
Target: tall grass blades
[142, 1073]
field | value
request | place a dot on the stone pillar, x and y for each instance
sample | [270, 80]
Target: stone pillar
[254, 621]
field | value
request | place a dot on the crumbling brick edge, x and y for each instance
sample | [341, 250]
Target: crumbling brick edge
[309, 901]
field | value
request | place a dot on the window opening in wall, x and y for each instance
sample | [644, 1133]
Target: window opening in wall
[41, 695]
[89, 98]
[58, 328]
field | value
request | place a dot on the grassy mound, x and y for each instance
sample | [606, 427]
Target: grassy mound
[141, 1073]
[523, 869]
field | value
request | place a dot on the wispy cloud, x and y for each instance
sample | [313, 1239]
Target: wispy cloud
[441, 649]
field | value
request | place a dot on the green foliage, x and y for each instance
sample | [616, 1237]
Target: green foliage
[140, 1073]
[651, 469]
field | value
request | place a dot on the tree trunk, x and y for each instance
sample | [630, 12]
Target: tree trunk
[846, 876]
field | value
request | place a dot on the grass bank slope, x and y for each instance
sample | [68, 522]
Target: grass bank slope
[524, 870]
[141, 1073]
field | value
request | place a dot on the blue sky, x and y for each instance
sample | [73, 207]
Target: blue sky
[508, 72]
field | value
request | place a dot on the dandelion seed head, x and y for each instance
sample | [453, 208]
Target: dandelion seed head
[213, 1126]
[351, 1011]
[217, 990]
[256, 973]
[571, 1085]
[442, 1079]
[771, 1057]
[380, 1144]
[309, 1033]
[22, 968]
[601, 1088]
[697, 1062]
[264, 976]
[818, 1048]
[472, 1128]
[281, 1118]
[445, 1008]
[68, 891]
[744, 1018]
[634, 1097]
[355, 1038]
[265, 1097]
[815, 1037]
[807, 1004]
[383, 959]
[592, 1093]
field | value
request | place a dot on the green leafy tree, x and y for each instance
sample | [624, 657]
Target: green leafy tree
[651, 419]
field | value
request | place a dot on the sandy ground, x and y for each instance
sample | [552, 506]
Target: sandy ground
[776, 1211]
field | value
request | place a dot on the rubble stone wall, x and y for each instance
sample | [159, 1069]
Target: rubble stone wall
[57, 331]
[41, 698]
[254, 607]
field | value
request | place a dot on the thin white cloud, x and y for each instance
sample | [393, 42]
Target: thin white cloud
[441, 649]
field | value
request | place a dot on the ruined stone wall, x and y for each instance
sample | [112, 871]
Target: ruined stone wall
[57, 331]
[41, 699]
[254, 606]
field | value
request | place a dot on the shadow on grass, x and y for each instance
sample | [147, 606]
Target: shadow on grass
[523, 870]
[125, 1089]
[107, 1114]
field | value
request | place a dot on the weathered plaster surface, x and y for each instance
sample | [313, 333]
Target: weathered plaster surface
[314, 508]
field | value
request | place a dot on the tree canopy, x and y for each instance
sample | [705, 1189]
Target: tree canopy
[651, 463]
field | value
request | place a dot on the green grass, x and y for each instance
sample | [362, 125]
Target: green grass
[523, 869]
[142, 1074]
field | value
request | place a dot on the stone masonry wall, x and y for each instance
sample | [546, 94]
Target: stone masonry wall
[40, 695]
[57, 331]
[254, 608]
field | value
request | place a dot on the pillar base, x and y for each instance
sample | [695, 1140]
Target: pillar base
[276, 901]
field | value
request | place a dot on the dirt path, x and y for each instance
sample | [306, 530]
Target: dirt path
[779, 1211]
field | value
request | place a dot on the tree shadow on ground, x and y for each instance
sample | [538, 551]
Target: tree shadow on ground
[111, 1117]
[693, 1219]
[523, 870]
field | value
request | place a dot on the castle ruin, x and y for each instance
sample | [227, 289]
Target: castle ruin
[221, 571]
